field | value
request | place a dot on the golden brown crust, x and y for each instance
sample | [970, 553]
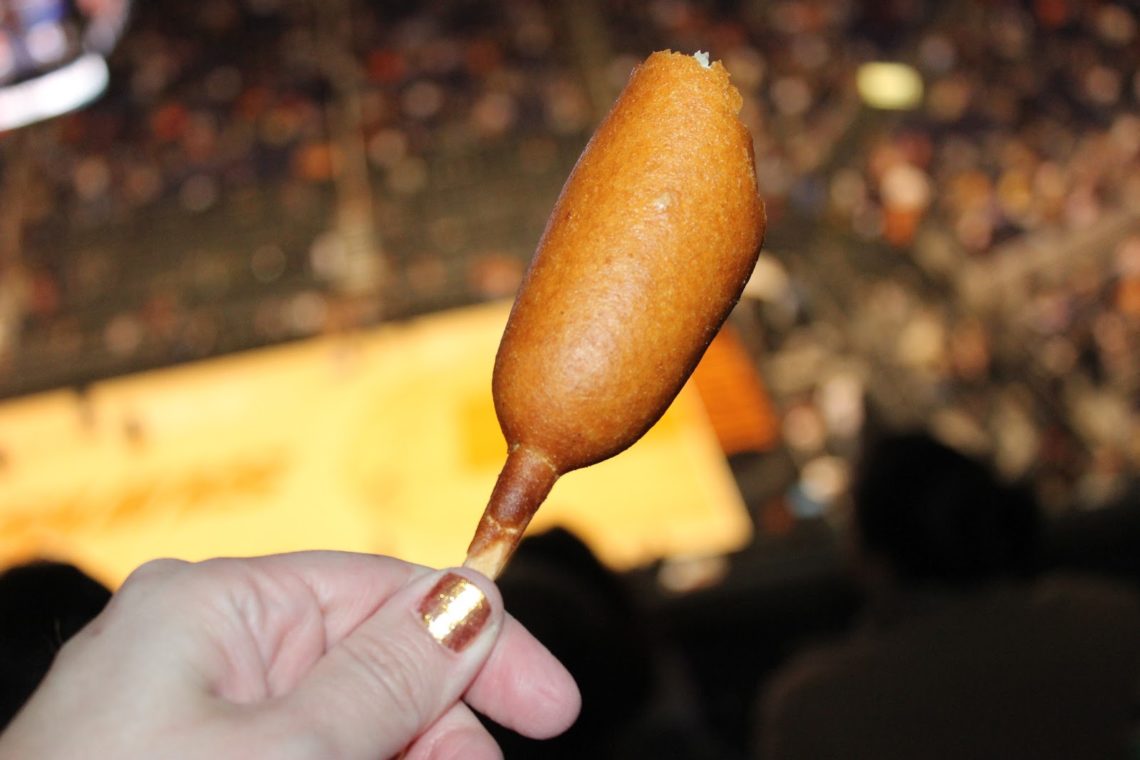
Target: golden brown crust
[646, 251]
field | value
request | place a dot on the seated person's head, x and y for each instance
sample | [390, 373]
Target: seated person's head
[42, 605]
[930, 515]
[583, 613]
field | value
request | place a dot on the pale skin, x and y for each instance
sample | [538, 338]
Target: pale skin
[297, 656]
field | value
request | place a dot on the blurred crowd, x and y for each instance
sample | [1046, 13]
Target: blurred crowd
[197, 208]
[973, 263]
[266, 170]
[985, 242]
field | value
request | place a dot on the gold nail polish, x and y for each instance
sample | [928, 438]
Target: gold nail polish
[454, 611]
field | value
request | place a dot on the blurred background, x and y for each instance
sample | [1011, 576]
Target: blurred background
[250, 295]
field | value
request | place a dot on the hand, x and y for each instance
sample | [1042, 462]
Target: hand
[310, 655]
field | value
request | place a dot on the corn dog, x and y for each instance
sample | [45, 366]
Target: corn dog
[645, 253]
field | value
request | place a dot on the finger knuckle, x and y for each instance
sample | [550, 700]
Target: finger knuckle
[147, 578]
[153, 570]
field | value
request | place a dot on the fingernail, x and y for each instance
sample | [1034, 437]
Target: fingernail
[454, 611]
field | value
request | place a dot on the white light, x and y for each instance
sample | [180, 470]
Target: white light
[890, 86]
[54, 93]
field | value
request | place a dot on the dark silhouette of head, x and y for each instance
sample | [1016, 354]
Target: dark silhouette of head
[936, 516]
[583, 613]
[42, 605]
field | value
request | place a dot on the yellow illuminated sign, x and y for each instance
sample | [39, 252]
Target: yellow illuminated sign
[378, 442]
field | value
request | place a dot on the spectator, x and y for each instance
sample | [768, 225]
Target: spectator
[42, 605]
[632, 694]
[960, 656]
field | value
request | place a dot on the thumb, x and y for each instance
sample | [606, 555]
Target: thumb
[400, 670]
